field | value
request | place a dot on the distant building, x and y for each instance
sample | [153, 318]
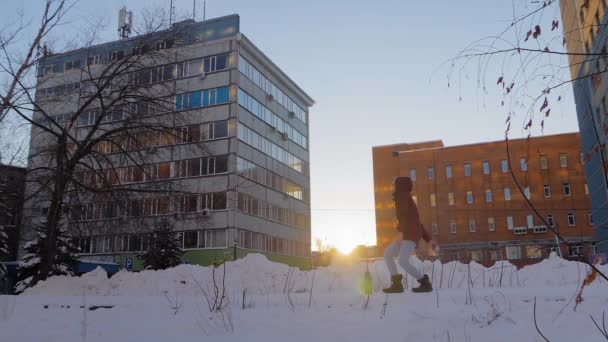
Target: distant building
[468, 200]
[12, 185]
[252, 186]
[586, 37]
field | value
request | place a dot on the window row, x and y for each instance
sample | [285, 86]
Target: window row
[529, 225]
[152, 206]
[250, 137]
[263, 176]
[256, 207]
[173, 71]
[145, 76]
[265, 114]
[202, 99]
[209, 238]
[59, 90]
[486, 169]
[199, 239]
[270, 88]
[97, 59]
[489, 194]
[195, 167]
[270, 244]
[165, 137]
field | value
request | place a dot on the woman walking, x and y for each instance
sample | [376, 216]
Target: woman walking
[409, 232]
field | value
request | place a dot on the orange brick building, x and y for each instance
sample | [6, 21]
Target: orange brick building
[468, 199]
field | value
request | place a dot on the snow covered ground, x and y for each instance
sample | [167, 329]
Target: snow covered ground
[278, 306]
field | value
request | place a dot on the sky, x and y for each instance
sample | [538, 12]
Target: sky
[377, 72]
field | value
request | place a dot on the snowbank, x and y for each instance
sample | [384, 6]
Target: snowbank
[260, 276]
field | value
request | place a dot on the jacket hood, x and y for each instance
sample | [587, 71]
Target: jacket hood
[403, 184]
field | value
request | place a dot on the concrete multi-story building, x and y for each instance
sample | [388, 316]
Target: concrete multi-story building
[12, 186]
[586, 37]
[468, 199]
[253, 174]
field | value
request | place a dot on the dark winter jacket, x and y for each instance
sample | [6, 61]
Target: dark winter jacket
[407, 212]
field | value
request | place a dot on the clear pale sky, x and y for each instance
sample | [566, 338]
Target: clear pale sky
[374, 69]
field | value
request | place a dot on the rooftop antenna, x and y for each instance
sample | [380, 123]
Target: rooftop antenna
[204, 9]
[171, 13]
[125, 22]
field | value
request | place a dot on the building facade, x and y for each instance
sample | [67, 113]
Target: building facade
[468, 199]
[251, 181]
[586, 38]
[12, 186]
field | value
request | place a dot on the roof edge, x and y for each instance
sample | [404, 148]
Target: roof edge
[257, 53]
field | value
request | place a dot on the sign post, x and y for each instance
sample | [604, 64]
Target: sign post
[129, 264]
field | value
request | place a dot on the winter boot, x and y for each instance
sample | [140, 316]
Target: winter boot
[396, 285]
[425, 285]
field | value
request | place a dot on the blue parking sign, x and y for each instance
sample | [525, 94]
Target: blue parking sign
[129, 264]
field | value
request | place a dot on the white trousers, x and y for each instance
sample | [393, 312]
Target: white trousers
[404, 250]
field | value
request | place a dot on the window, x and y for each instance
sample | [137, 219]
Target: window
[547, 190]
[491, 224]
[523, 162]
[550, 221]
[434, 228]
[504, 164]
[488, 196]
[93, 60]
[534, 252]
[191, 239]
[563, 160]
[413, 174]
[476, 255]
[495, 254]
[530, 221]
[453, 227]
[486, 167]
[433, 200]
[590, 216]
[472, 227]
[510, 222]
[507, 194]
[431, 172]
[448, 171]
[567, 189]
[450, 198]
[575, 249]
[544, 164]
[470, 197]
[513, 252]
[116, 55]
[527, 192]
[72, 65]
[571, 220]
[467, 170]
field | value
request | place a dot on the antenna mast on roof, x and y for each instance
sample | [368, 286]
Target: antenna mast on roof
[125, 22]
[204, 9]
[171, 13]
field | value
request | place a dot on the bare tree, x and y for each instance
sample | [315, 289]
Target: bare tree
[97, 137]
[532, 72]
[16, 69]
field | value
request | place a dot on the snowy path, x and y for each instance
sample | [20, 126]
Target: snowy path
[504, 315]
